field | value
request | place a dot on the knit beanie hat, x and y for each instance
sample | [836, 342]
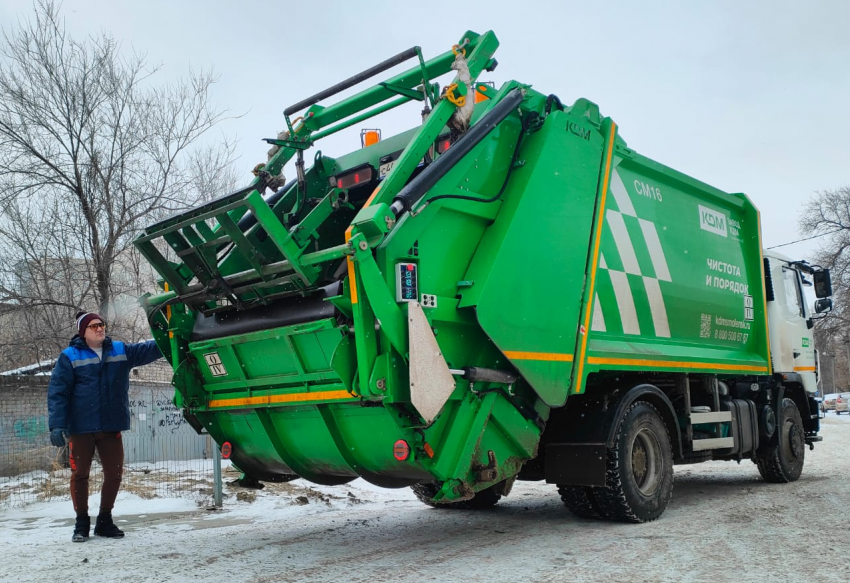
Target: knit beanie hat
[84, 319]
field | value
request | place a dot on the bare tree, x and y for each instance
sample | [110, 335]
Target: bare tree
[43, 278]
[827, 215]
[91, 150]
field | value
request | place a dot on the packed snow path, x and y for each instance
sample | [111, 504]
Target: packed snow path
[723, 524]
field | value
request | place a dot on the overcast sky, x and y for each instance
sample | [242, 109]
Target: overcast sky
[747, 96]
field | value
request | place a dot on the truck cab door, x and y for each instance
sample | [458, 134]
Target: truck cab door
[791, 339]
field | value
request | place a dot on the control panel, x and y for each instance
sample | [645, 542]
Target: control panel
[406, 282]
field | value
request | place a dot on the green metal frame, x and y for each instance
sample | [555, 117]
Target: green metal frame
[195, 242]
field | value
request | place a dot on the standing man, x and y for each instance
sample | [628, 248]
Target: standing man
[88, 405]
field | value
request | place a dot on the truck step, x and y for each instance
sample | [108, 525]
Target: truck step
[713, 443]
[713, 417]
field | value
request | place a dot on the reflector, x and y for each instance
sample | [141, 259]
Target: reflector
[369, 137]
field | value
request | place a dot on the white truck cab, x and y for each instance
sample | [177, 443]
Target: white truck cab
[790, 320]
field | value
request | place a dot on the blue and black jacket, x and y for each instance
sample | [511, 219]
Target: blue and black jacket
[87, 394]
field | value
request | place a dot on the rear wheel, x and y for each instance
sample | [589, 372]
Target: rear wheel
[783, 462]
[482, 500]
[580, 501]
[639, 474]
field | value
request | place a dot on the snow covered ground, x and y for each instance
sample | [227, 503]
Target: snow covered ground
[723, 524]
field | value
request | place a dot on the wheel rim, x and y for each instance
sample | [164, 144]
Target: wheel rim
[793, 442]
[646, 466]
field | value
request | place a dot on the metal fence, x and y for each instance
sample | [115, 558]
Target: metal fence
[163, 455]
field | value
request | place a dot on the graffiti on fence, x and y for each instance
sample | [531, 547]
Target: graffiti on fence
[31, 428]
[170, 417]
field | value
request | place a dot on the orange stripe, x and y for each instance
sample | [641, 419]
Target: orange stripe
[238, 402]
[314, 396]
[764, 291]
[674, 364]
[548, 356]
[805, 368]
[168, 314]
[352, 282]
[596, 239]
[289, 398]
[371, 198]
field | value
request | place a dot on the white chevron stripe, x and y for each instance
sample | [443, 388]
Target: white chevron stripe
[656, 253]
[621, 195]
[598, 323]
[625, 301]
[623, 242]
[656, 307]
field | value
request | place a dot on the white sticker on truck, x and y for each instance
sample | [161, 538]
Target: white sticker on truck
[214, 362]
[712, 221]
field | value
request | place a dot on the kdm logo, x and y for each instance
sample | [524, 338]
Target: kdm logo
[713, 221]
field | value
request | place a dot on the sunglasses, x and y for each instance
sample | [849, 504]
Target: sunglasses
[98, 326]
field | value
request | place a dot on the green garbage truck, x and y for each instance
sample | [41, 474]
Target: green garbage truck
[506, 291]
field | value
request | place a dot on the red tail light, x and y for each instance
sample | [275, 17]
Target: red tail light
[401, 451]
[226, 450]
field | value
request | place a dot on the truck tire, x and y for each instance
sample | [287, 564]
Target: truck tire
[639, 474]
[580, 501]
[482, 500]
[783, 462]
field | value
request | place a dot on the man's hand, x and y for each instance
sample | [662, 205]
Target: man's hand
[57, 437]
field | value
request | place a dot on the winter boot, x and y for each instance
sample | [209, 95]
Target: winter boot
[106, 528]
[81, 529]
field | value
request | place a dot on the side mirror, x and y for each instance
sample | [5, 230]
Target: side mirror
[823, 284]
[823, 306]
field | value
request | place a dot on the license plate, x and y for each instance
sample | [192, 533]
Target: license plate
[384, 169]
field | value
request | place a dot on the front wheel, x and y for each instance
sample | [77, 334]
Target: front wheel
[783, 462]
[639, 474]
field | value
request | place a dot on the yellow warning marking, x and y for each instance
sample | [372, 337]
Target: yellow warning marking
[371, 198]
[674, 364]
[547, 356]
[289, 398]
[585, 329]
[763, 291]
[352, 282]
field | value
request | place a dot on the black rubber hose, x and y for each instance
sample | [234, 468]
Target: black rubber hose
[553, 99]
[510, 171]
[416, 189]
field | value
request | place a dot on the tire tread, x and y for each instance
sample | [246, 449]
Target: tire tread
[611, 500]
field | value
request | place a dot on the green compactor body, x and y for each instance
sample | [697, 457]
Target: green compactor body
[441, 308]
